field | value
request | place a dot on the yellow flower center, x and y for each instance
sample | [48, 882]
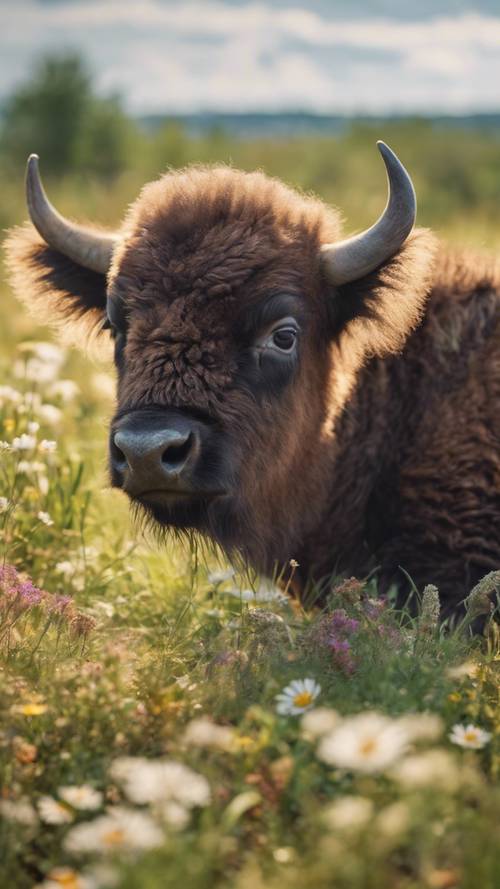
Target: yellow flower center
[114, 837]
[303, 699]
[33, 709]
[470, 736]
[368, 746]
[66, 878]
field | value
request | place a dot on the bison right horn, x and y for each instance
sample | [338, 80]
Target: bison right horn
[361, 254]
[88, 248]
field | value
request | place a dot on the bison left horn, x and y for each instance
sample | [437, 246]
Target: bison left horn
[361, 254]
[88, 248]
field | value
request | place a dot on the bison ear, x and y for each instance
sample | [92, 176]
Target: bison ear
[376, 313]
[56, 289]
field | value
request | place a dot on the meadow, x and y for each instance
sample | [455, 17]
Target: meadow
[166, 720]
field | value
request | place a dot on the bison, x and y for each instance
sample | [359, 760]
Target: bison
[286, 392]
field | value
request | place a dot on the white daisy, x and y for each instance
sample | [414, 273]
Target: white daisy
[217, 577]
[319, 721]
[24, 442]
[297, 697]
[48, 447]
[469, 736]
[44, 518]
[434, 768]
[67, 878]
[4, 504]
[84, 797]
[202, 732]
[348, 813]
[50, 414]
[53, 812]
[119, 830]
[157, 781]
[19, 810]
[66, 390]
[9, 395]
[368, 742]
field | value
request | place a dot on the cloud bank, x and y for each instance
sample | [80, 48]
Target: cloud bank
[189, 56]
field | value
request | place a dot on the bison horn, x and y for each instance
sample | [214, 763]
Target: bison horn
[361, 254]
[84, 246]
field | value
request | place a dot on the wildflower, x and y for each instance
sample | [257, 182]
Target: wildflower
[297, 697]
[53, 812]
[478, 601]
[342, 655]
[368, 742]
[32, 708]
[265, 593]
[8, 395]
[44, 518]
[60, 604]
[319, 721]
[422, 726]
[47, 446]
[217, 577]
[42, 363]
[428, 621]
[4, 504]
[392, 821]
[24, 442]
[284, 854]
[173, 814]
[50, 414]
[435, 769]
[67, 878]
[4, 446]
[466, 670]
[66, 568]
[21, 811]
[469, 736]
[348, 813]
[31, 466]
[120, 829]
[66, 390]
[84, 797]
[202, 732]
[82, 624]
[24, 752]
[156, 781]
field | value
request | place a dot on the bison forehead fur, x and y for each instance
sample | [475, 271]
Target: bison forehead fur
[380, 447]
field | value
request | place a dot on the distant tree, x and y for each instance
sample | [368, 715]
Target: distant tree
[56, 114]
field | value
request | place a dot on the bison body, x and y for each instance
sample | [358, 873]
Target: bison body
[346, 421]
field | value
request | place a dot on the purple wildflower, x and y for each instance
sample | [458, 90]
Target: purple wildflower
[342, 623]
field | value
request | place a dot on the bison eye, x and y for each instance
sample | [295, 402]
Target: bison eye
[282, 338]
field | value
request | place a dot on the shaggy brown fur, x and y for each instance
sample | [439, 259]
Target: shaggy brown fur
[381, 447]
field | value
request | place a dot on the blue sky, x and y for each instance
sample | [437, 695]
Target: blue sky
[348, 56]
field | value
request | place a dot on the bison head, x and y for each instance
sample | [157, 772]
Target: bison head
[239, 317]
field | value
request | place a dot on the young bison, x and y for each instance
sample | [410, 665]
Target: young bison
[285, 392]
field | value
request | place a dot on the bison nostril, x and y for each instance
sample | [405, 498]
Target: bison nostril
[176, 455]
[118, 458]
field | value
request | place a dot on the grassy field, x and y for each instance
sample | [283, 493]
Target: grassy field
[142, 742]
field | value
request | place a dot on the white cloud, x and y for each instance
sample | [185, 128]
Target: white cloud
[189, 55]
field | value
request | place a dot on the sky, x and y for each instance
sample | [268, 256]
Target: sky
[327, 56]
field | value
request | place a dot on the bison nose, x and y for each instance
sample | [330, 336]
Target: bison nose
[158, 460]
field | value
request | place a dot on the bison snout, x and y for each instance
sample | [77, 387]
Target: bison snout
[154, 461]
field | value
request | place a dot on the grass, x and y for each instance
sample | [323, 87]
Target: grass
[150, 643]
